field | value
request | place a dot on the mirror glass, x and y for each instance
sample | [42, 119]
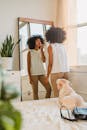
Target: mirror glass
[36, 29]
[26, 28]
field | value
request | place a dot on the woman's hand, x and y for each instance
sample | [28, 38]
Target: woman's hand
[47, 79]
[30, 79]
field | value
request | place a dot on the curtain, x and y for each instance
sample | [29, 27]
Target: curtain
[67, 18]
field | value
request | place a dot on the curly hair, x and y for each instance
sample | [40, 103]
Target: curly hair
[31, 41]
[55, 35]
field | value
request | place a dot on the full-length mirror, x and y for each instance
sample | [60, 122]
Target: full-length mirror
[26, 28]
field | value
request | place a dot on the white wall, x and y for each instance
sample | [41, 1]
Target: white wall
[10, 10]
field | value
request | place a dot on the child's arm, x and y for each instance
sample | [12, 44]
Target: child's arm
[50, 62]
[29, 65]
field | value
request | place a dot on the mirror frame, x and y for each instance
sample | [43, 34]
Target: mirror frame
[29, 20]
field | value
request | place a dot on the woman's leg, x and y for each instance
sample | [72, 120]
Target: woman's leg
[47, 85]
[35, 87]
[54, 77]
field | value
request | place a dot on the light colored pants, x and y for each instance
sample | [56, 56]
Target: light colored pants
[53, 79]
[42, 79]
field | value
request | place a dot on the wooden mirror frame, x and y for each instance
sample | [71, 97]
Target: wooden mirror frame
[28, 20]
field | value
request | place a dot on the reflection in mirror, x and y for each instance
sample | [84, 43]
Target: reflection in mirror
[23, 35]
[36, 29]
[47, 27]
[26, 28]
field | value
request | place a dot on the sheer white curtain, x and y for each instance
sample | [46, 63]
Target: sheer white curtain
[67, 19]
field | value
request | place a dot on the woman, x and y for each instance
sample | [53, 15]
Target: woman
[57, 63]
[36, 71]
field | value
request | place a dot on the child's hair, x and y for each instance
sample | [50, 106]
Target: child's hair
[31, 41]
[55, 35]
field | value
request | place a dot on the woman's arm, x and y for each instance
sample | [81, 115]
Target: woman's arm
[42, 55]
[50, 61]
[29, 65]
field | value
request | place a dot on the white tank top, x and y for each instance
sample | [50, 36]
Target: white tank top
[59, 58]
[37, 66]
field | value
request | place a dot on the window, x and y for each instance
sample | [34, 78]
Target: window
[82, 32]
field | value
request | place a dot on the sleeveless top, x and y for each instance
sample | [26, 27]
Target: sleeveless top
[59, 58]
[37, 66]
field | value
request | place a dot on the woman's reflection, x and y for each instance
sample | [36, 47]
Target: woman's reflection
[36, 71]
